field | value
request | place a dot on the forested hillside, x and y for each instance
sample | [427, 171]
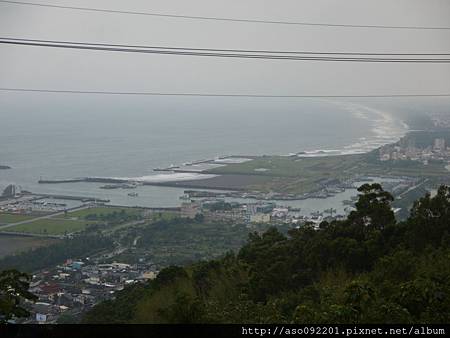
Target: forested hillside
[366, 269]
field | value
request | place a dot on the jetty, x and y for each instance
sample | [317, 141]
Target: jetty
[84, 179]
[72, 198]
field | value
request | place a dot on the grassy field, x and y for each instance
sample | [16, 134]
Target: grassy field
[164, 215]
[281, 166]
[6, 218]
[413, 168]
[50, 226]
[11, 245]
[61, 224]
[293, 174]
[81, 214]
[300, 175]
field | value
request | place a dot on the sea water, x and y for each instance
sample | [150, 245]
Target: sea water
[77, 136]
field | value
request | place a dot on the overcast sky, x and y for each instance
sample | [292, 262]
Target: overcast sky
[37, 67]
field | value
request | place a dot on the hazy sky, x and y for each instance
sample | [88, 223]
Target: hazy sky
[93, 70]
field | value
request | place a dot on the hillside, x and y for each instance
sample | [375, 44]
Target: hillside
[366, 269]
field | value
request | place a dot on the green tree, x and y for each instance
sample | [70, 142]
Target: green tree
[185, 309]
[373, 207]
[366, 269]
[14, 287]
[429, 221]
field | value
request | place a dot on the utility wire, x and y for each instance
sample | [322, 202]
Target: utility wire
[210, 18]
[225, 53]
[222, 50]
[58, 91]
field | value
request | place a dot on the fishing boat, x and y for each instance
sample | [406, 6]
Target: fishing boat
[185, 197]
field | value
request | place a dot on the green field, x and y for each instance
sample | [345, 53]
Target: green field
[11, 245]
[50, 226]
[6, 218]
[293, 174]
[300, 175]
[81, 214]
[63, 224]
[164, 216]
[282, 166]
[410, 168]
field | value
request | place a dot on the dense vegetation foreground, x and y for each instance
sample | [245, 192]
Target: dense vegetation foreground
[366, 269]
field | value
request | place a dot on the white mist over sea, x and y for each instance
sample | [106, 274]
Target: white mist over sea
[130, 137]
[385, 128]
[382, 128]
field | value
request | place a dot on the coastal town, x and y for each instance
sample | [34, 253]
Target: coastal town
[439, 150]
[74, 285]
[71, 288]
[425, 147]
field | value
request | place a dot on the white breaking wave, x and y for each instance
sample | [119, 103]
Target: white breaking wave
[166, 178]
[385, 128]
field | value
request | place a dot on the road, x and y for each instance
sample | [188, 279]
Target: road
[43, 217]
[412, 188]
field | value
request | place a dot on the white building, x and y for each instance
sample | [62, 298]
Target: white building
[260, 218]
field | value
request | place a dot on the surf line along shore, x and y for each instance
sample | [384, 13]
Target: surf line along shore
[282, 177]
[296, 176]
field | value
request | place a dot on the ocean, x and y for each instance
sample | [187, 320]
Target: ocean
[78, 136]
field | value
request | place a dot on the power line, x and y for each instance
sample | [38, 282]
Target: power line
[222, 50]
[246, 54]
[210, 18]
[94, 92]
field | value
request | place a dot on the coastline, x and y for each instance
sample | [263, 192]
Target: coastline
[211, 173]
[384, 131]
[328, 179]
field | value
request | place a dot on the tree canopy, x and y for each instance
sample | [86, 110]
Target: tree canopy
[14, 287]
[365, 269]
